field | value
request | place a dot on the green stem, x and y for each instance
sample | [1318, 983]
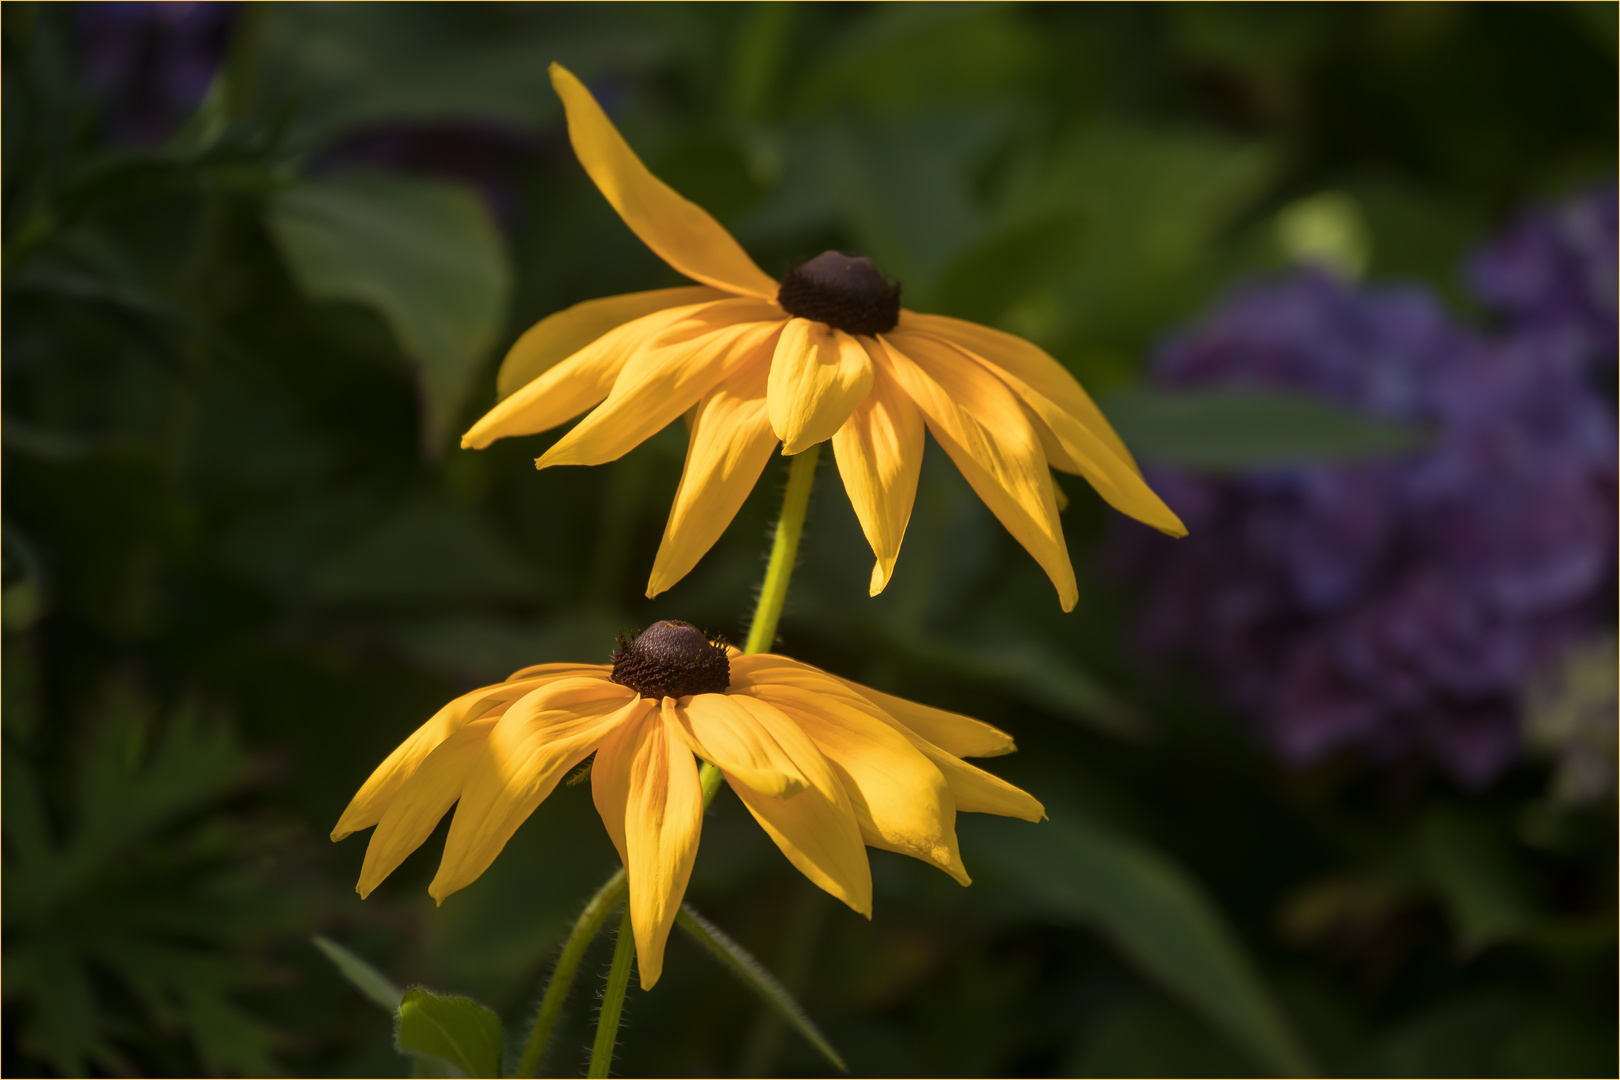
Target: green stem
[590, 921]
[607, 1023]
[784, 550]
[761, 635]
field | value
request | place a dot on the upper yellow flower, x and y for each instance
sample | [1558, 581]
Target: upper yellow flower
[826, 354]
[824, 765]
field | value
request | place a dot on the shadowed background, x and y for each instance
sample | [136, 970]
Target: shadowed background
[1331, 781]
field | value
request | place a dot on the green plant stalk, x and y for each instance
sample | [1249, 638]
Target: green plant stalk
[761, 634]
[590, 921]
[607, 1022]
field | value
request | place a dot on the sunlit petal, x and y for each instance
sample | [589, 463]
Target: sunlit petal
[818, 376]
[729, 445]
[529, 750]
[682, 233]
[645, 785]
[879, 452]
[666, 376]
[721, 731]
[954, 733]
[986, 432]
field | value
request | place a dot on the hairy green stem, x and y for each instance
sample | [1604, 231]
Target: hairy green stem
[761, 635]
[607, 1022]
[590, 921]
[784, 551]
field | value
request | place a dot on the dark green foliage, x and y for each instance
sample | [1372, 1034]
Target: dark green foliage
[235, 366]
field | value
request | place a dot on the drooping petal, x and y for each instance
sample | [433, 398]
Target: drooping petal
[560, 335]
[954, 733]
[369, 803]
[816, 829]
[725, 734]
[729, 445]
[1078, 442]
[879, 452]
[984, 429]
[679, 231]
[901, 799]
[645, 785]
[577, 383]
[978, 792]
[426, 797]
[529, 750]
[666, 376]
[818, 376]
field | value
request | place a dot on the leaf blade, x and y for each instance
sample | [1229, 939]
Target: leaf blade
[365, 978]
[454, 1029]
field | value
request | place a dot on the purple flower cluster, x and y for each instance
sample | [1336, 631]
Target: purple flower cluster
[150, 64]
[1399, 606]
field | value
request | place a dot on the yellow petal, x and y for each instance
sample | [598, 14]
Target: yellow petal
[1027, 362]
[529, 750]
[901, 800]
[558, 336]
[954, 733]
[986, 432]
[978, 792]
[678, 230]
[818, 376]
[1075, 444]
[415, 812]
[730, 442]
[666, 376]
[574, 385]
[645, 785]
[879, 452]
[368, 804]
[723, 733]
[816, 829]
[535, 671]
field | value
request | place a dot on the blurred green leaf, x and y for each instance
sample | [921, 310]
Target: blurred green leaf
[1230, 429]
[1157, 916]
[424, 254]
[752, 974]
[1488, 894]
[457, 1030]
[367, 979]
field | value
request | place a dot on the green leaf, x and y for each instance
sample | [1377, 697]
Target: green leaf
[1490, 897]
[1155, 914]
[424, 254]
[367, 979]
[752, 974]
[1224, 429]
[456, 1029]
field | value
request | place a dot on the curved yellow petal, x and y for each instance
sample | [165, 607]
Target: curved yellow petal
[984, 429]
[726, 735]
[426, 797]
[816, 829]
[818, 376]
[879, 452]
[953, 733]
[562, 334]
[369, 803]
[574, 385]
[1076, 445]
[534, 671]
[978, 792]
[730, 443]
[679, 231]
[1038, 372]
[645, 785]
[902, 802]
[529, 750]
[666, 376]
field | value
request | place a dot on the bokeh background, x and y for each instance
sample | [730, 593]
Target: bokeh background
[1331, 781]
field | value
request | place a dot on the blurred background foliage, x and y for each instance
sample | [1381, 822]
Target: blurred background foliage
[259, 265]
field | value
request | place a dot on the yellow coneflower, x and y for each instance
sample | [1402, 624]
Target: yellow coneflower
[826, 354]
[827, 767]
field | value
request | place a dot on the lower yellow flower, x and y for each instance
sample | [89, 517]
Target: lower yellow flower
[825, 766]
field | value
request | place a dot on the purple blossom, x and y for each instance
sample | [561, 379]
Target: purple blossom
[150, 64]
[1398, 607]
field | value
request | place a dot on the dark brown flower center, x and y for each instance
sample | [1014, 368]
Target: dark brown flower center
[847, 292]
[671, 659]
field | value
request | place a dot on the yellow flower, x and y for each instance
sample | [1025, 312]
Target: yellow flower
[825, 766]
[827, 354]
